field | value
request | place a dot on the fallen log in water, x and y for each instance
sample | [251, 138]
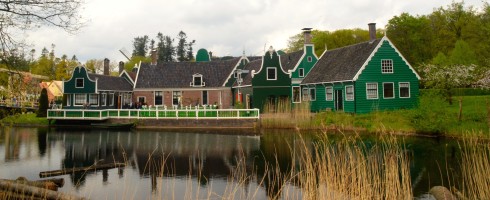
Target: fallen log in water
[50, 184]
[11, 189]
[80, 169]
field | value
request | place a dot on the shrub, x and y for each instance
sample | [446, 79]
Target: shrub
[430, 117]
[43, 103]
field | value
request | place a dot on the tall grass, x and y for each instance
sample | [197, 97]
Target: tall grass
[475, 162]
[282, 114]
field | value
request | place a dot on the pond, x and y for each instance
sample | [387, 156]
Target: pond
[186, 165]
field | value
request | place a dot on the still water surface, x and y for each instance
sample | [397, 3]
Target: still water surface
[210, 158]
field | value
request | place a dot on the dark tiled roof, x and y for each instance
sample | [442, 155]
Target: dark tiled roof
[341, 64]
[289, 60]
[113, 83]
[179, 74]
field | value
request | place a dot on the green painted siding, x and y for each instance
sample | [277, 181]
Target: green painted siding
[309, 52]
[263, 88]
[372, 73]
[69, 86]
[202, 55]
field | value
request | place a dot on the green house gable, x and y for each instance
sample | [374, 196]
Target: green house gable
[270, 83]
[80, 82]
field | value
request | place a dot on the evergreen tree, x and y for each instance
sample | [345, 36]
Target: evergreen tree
[190, 53]
[181, 46]
[43, 103]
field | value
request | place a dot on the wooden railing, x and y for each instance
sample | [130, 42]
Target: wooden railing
[19, 104]
[153, 114]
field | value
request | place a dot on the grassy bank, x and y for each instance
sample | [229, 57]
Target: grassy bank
[24, 119]
[433, 116]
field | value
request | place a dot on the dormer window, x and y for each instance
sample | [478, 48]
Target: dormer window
[79, 83]
[197, 81]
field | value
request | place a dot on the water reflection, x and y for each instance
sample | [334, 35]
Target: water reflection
[154, 156]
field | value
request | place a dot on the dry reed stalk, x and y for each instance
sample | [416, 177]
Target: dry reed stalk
[475, 162]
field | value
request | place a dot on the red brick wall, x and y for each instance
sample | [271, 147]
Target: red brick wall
[189, 97]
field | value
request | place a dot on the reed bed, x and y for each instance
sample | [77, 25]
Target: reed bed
[475, 162]
[282, 114]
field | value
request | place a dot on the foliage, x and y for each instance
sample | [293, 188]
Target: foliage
[135, 60]
[43, 103]
[140, 46]
[431, 115]
[30, 119]
[165, 48]
[184, 48]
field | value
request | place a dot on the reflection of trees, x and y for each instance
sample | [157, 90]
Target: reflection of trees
[42, 136]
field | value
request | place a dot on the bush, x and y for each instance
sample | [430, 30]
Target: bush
[431, 116]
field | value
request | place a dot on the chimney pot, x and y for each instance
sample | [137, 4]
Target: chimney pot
[106, 67]
[372, 31]
[307, 35]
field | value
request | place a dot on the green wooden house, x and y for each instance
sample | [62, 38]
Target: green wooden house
[361, 78]
[96, 91]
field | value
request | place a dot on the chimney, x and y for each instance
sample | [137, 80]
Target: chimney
[372, 31]
[106, 67]
[154, 57]
[121, 66]
[307, 35]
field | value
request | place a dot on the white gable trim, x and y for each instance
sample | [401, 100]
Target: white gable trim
[234, 68]
[137, 75]
[262, 65]
[130, 79]
[376, 50]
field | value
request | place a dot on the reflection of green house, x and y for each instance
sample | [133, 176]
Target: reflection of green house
[360, 78]
[95, 90]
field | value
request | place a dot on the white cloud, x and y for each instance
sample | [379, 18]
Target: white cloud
[225, 27]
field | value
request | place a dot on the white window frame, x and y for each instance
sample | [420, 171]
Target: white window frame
[393, 90]
[103, 98]
[193, 83]
[173, 96]
[68, 100]
[155, 98]
[387, 66]
[310, 92]
[92, 97]
[111, 99]
[305, 94]
[400, 87]
[349, 96]
[77, 100]
[76, 82]
[275, 73]
[367, 89]
[301, 72]
[329, 96]
[299, 91]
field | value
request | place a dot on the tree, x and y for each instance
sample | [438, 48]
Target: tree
[181, 46]
[190, 52]
[27, 15]
[95, 65]
[140, 46]
[135, 60]
[166, 50]
[43, 103]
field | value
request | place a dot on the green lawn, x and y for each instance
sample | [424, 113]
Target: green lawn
[24, 119]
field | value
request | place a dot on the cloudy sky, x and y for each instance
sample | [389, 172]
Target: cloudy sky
[225, 27]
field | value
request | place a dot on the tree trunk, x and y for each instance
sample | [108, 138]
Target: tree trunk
[460, 115]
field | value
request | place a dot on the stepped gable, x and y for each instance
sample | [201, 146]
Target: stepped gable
[341, 64]
[113, 83]
[179, 74]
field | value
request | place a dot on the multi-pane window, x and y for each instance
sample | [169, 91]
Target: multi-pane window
[386, 66]
[329, 93]
[176, 95]
[404, 90]
[306, 95]
[111, 99]
[93, 99]
[312, 94]
[158, 98]
[79, 83]
[371, 90]
[301, 72]
[271, 73]
[349, 93]
[80, 99]
[388, 91]
[296, 94]
[103, 99]
[197, 80]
